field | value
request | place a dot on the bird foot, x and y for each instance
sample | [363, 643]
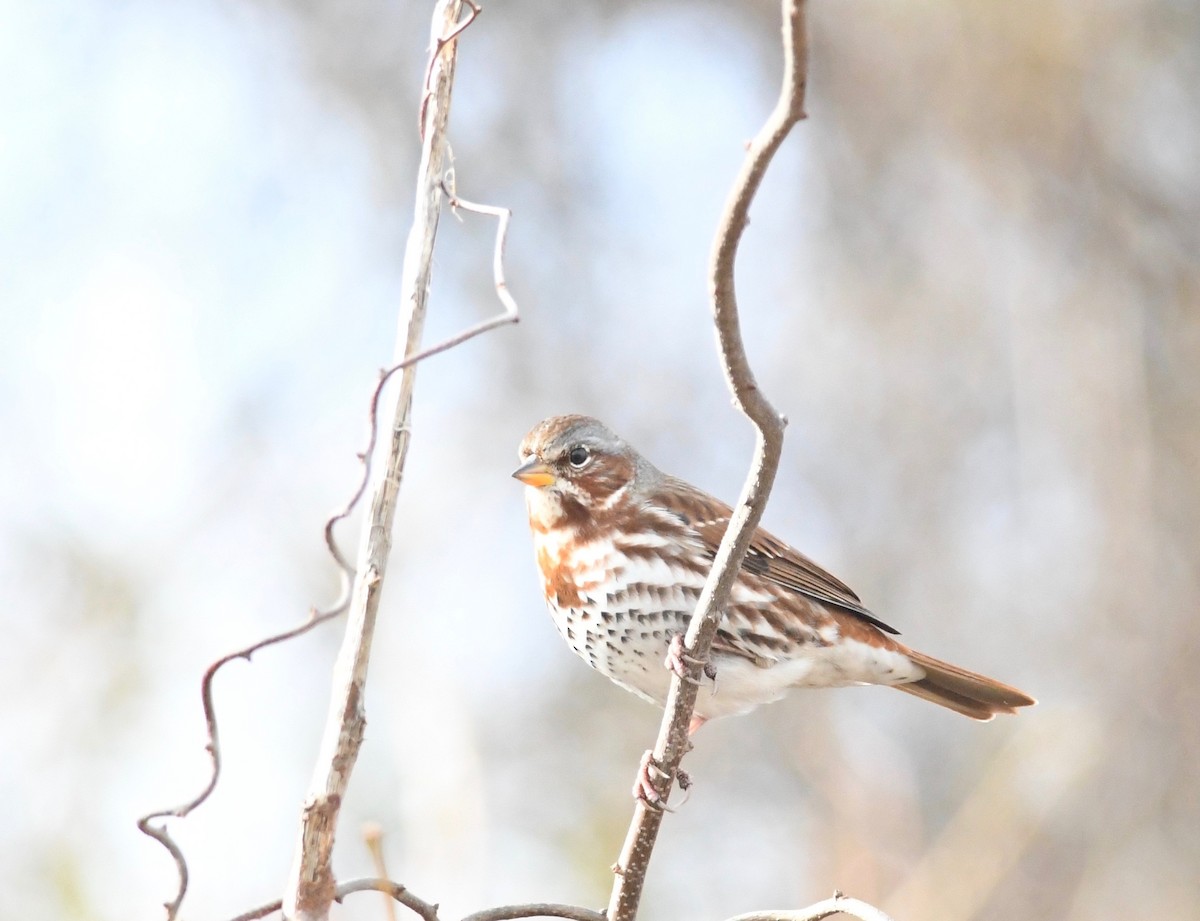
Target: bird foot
[643, 786]
[682, 664]
[645, 790]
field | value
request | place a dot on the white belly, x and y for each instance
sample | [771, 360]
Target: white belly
[621, 618]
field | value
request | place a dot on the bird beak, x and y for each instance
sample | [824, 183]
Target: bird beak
[534, 473]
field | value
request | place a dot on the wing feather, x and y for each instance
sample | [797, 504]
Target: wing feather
[768, 557]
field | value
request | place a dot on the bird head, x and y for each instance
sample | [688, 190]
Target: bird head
[574, 467]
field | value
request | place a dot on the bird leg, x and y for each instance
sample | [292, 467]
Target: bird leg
[681, 663]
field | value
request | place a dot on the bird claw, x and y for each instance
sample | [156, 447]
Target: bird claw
[643, 785]
[645, 790]
[681, 663]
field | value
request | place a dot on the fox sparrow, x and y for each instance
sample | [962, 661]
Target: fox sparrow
[624, 550]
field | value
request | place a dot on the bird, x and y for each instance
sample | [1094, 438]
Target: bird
[624, 550]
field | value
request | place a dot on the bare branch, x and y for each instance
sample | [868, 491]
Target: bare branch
[673, 738]
[399, 893]
[310, 888]
[427, 910]
[316, 616]
[511, 314]
[536, 910]
[261, 912]
[502, 215]
[213, 747]
[838, 905]
[440, 42]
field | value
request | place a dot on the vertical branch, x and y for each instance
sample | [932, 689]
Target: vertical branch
[311, 887]
[672, 738]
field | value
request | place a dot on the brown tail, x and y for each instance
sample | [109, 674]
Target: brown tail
[972, 695]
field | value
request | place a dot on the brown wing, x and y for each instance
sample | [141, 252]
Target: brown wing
[768, 557]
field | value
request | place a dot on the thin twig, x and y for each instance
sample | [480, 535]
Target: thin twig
[316, 617]
[511, 314]
[536, 910]
[439, 43]
[427, 910]
[673, 739]
[261, 912]
[838, 905]
[502, 216]
[213, 747]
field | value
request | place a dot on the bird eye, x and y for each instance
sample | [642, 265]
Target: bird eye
[579, 456]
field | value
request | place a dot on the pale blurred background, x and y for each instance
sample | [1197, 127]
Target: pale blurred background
[971, 282]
